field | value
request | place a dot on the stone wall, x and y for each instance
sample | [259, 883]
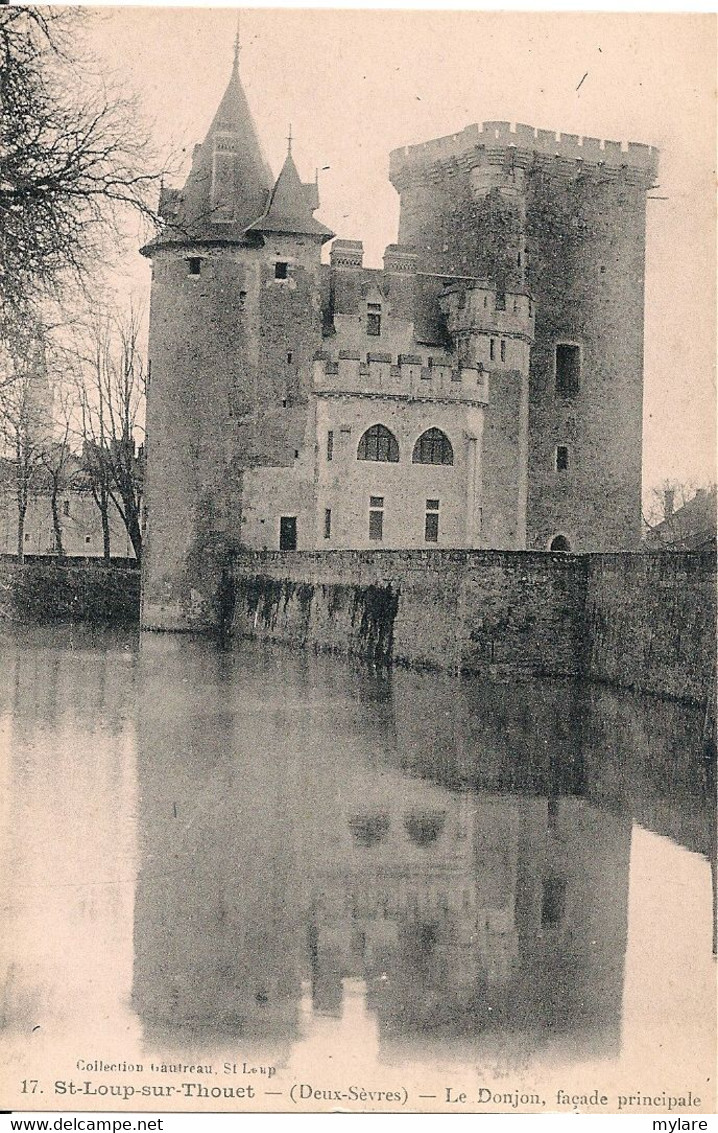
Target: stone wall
[470, 611]
[51, 592]
[572, 235]
[645, 622]
[651, 622]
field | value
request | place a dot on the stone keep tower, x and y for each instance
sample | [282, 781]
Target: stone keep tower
[235, 321]
[563, 221]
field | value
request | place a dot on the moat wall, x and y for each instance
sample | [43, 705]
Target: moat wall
[650, 622]
[50, 591]
[645, 622]
[640, 621]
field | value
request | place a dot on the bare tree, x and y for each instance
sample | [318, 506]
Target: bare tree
[74, 158]
[112, 391]
[57, 459]
[25, 420]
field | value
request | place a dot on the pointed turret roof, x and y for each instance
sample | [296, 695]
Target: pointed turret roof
[291, 206]
[230, 181]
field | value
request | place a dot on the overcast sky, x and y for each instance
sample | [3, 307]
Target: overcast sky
[356, 84]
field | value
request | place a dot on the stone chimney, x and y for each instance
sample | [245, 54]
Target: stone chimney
[347, 254]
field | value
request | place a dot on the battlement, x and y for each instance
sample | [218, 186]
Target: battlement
[409, 378]
[481, 309]
[499, 140]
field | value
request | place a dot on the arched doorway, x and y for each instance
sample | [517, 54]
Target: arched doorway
[560, 543]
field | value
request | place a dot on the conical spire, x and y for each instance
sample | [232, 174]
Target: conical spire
[230, 181]
[291, 205]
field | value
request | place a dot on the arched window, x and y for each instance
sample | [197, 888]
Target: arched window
[378, 444]
[433, 447]
[424, 827]
[560, 543]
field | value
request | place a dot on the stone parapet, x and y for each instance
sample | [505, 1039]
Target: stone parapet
[499, 142]
[480, 309]
[408, 378]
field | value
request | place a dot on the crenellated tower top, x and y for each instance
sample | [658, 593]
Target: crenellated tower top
[525, 146]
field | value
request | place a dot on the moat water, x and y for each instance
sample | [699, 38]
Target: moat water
[352, 878]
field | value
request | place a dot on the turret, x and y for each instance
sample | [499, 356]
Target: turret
[235, 321]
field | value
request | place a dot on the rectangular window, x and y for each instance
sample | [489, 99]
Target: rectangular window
[88, 538]
[553, 902]
[281, 270]
[376, 518]
[290, 356]
[431, 522]
[373, 319]
[492, 349]
[330, 445]
[562, 458]
[327, 523]
[65, 507]
[194, 265]
[288, 533]
[500, 300]
[568, 369]
[503, 349]
[242, 300]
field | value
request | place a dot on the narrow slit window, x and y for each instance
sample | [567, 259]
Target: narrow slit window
[562, 458]
[327, 523]
[290, 356]
[503, 349]
[553, 901]
[66, 507]
[492, 349]
[376, 518]
[568, 369]
[431, 522]
[330, 445]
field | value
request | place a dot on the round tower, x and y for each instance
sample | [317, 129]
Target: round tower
[234, 323]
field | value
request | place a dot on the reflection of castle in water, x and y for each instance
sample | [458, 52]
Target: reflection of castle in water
[482, 913]
[297, 830]
[460, 851]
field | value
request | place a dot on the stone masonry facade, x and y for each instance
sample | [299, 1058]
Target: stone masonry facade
[480, 391]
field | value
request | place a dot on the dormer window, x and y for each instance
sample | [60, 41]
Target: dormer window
[373, 319]
[224, 167]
